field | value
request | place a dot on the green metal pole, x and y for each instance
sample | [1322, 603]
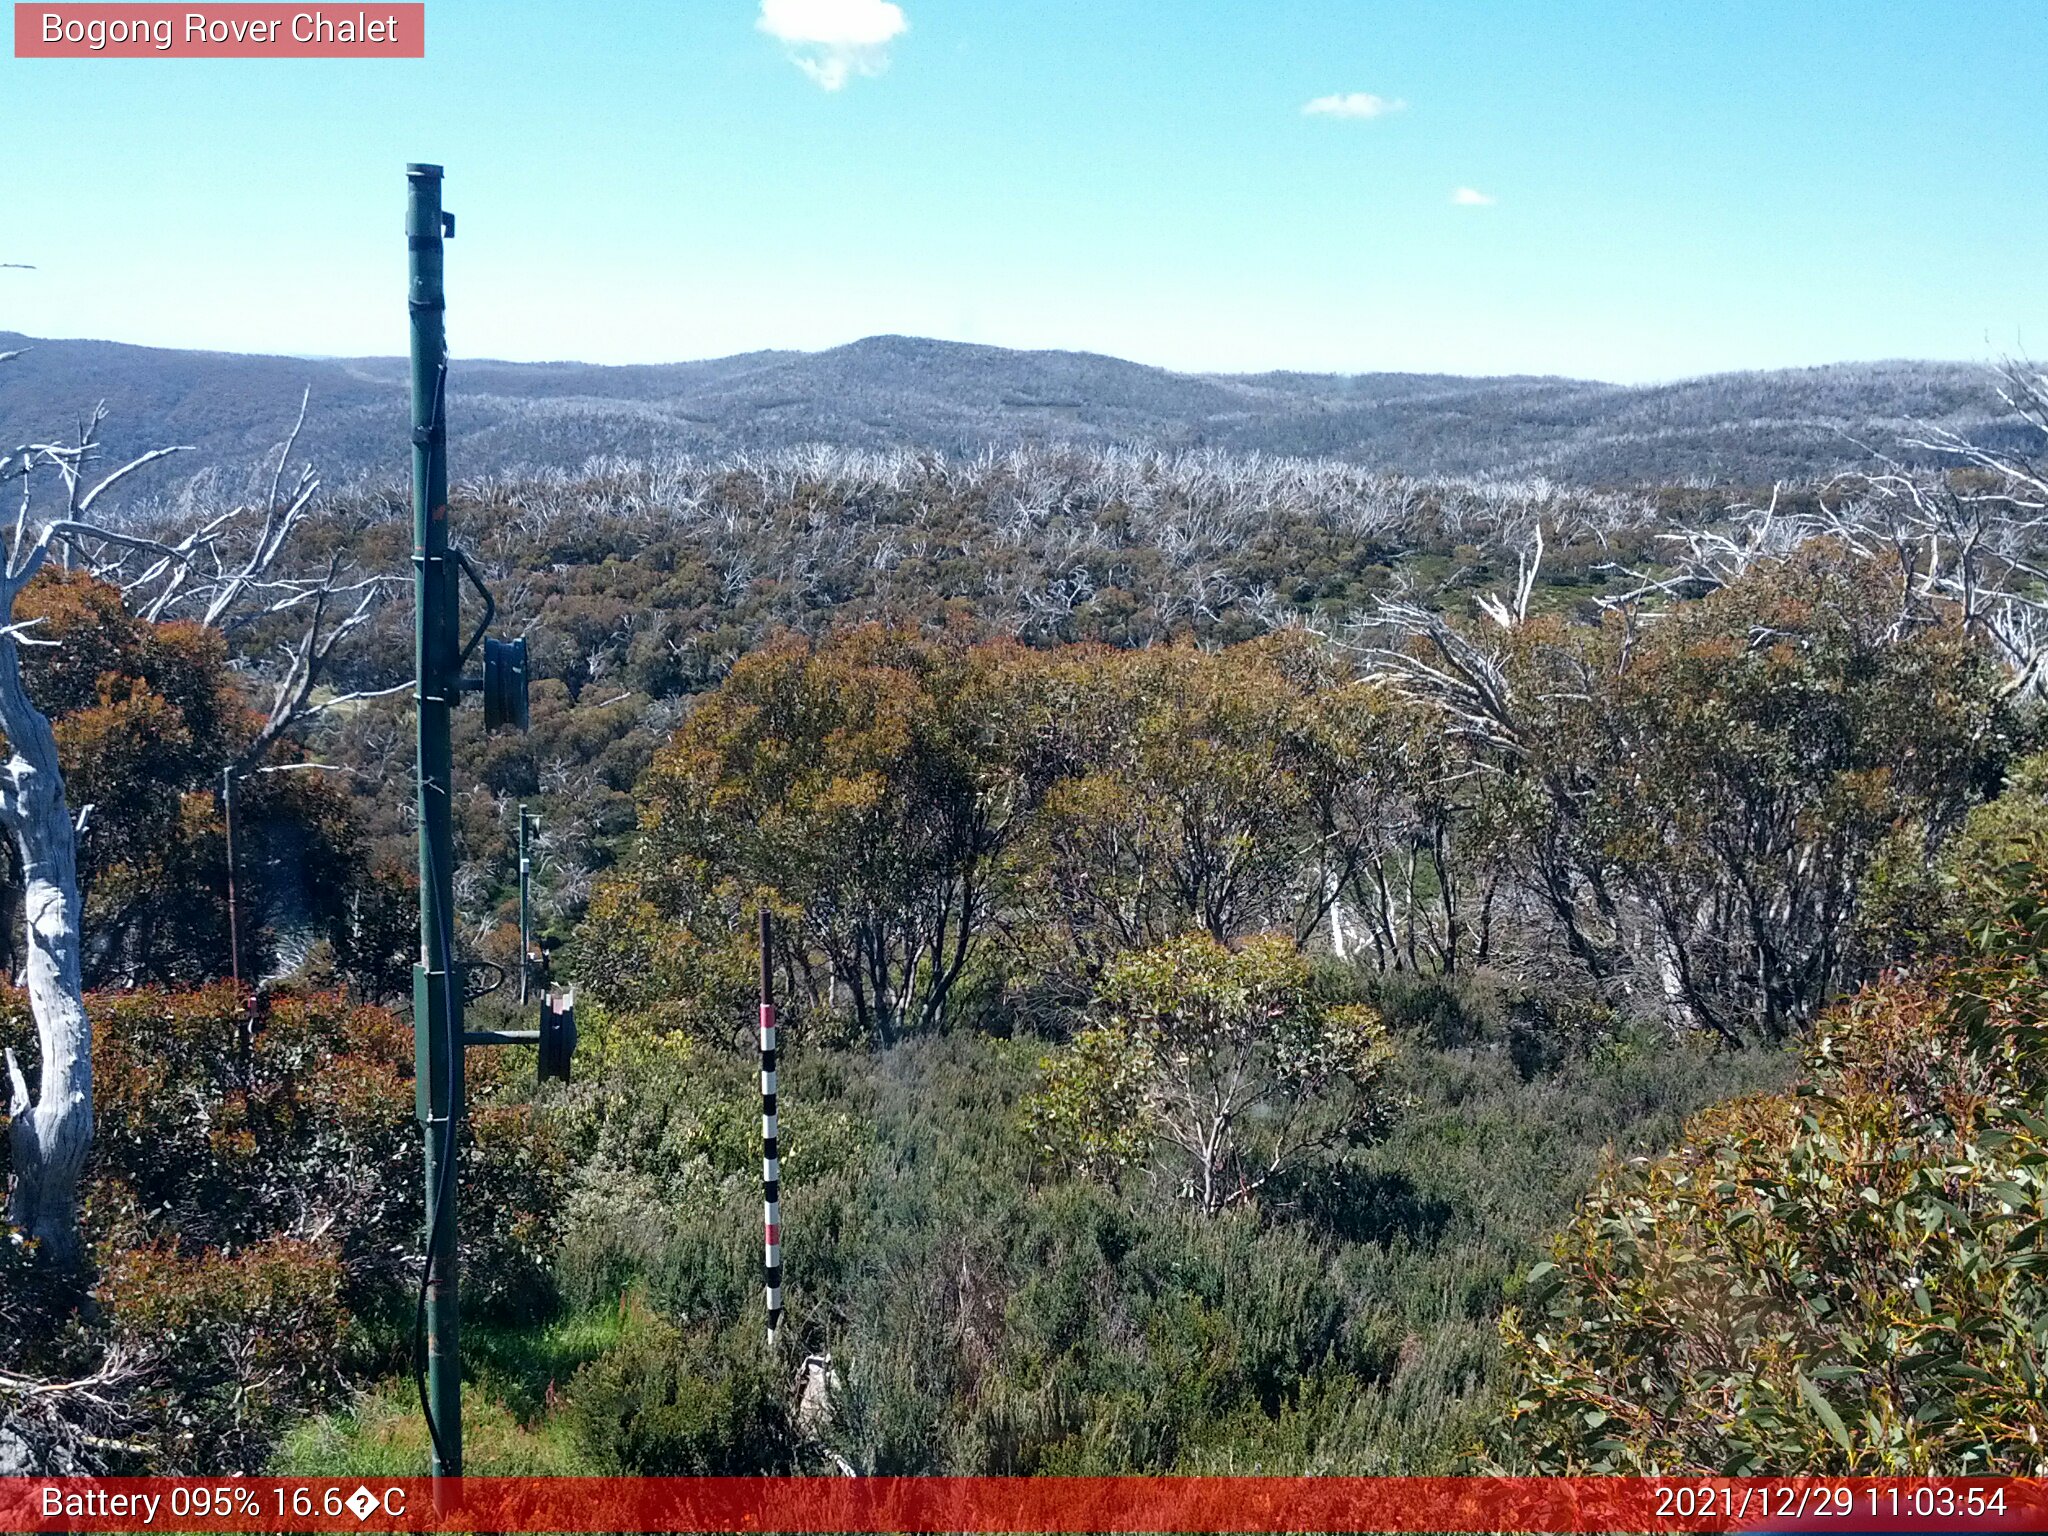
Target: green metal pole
[437, 999]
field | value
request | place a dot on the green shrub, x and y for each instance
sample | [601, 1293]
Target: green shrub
[521, 1165]
[1215, 1069]
[230, 1347]
[221, 1124]
[664, 1402]
[1447, 1012]
[615, 1226]
[254, 1199]
[218, 1125]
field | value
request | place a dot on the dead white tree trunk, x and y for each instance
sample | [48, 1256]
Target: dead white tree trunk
[224, 569]
[49, 1133]
[50, 1129]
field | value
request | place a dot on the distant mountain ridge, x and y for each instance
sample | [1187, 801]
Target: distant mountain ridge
[898, 391]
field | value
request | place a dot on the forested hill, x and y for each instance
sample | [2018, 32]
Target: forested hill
[895, 391]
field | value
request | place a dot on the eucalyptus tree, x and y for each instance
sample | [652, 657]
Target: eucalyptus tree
[1708, 776]
[863, 789]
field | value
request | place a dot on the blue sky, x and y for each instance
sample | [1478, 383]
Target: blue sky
[1657, 189]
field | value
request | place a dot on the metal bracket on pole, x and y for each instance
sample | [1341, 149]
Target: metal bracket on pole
[462, 562]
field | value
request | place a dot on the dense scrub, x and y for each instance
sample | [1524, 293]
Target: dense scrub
[1689, 818]
[640, 586]
[987, 1312]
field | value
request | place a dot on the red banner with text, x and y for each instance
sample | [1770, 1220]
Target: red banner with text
[240, 31]
[1063, 1504]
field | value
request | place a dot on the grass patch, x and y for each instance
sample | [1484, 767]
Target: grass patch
[513, 1381]
[525, 1369]
[383, 1435]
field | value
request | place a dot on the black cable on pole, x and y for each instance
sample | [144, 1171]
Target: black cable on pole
[438, 1215]
[419, 1324]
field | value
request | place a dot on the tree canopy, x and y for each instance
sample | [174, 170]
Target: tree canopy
[146, 717]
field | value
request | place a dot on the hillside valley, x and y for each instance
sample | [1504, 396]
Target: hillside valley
[893, 392]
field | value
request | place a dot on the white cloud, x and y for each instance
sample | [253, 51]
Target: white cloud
[1352, 104]
[834, 40]
[1466, 197]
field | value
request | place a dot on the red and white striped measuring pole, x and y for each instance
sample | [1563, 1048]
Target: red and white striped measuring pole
[771, 1158]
